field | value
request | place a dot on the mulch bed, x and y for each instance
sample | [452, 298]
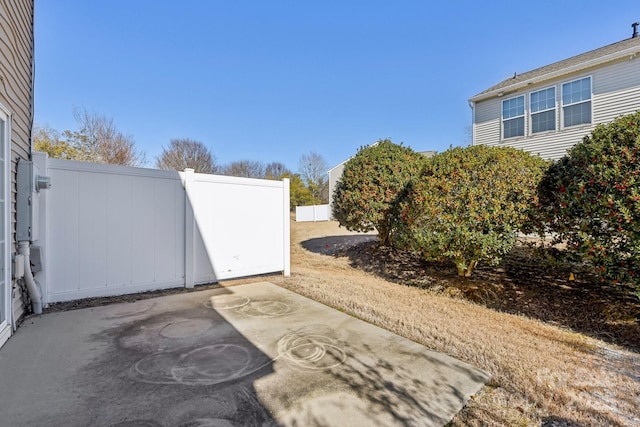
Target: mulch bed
[528, 282]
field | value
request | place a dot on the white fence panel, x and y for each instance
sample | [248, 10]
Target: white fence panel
[239, 227]
[313, 213]
[112, 230]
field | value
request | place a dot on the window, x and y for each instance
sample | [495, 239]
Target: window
[543, 110]
[513, 117]
[576, 102]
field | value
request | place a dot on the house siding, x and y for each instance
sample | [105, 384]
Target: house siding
[616, 91]
[334, 176]
[16, 92]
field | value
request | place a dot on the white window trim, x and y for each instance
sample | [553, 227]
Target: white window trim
[562, 104]
[502, 119]
[555, 108]
[6, 324]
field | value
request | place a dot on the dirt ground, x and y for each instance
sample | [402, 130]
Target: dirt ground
[528, 282]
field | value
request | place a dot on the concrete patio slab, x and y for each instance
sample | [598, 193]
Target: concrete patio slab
[253, 354]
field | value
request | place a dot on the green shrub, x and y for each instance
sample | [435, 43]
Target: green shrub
[365, 195]
[299, 194]
[591, 199]
[468, 204]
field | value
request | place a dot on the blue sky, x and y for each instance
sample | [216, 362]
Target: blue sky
[272, 80]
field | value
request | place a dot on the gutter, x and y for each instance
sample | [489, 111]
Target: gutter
[630, 52]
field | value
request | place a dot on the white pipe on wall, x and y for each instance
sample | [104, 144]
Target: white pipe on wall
[32, 286]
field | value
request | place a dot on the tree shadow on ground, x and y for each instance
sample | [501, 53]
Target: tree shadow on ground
[185, 365]
[527, 282]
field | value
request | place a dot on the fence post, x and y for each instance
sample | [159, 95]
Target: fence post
[189, 231]
[41, 161]
[287, 227]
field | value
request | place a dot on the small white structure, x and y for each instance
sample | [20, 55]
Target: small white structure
[313, 213]
[335, 173]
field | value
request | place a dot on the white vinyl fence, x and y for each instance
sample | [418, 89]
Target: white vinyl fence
[313, 213]
[108, 230]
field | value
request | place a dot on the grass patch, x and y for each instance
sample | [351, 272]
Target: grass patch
[520, 321]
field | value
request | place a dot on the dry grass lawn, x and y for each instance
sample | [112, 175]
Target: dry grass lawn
[542, 374]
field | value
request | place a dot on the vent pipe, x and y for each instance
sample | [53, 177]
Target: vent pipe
[635, 30]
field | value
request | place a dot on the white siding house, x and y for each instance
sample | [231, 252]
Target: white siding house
[335, 173]
[548, 110]
[16, 120]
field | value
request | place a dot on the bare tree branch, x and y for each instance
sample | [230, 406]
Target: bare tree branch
[275, 170]
[313, 170]
[98, 140]
[187, 153]
[244, 168]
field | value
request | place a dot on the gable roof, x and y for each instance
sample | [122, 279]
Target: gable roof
[628, 47]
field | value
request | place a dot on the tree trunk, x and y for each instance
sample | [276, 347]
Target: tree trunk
[472, 266]
[464, 269]
[383, 235]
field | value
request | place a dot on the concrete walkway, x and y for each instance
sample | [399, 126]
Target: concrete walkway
[255, 355]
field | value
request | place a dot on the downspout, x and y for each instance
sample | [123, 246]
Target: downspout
[33, 287]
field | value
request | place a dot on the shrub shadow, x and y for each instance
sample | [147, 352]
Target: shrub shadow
[333, 245]
[528, 282]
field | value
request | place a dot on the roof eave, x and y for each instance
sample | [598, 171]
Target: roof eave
[631, 52]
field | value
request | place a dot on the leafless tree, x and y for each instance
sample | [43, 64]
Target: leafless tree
[244, 168]
[120, 151]
[313, 170]
[187, 153]
[98, 140]
[275, 170]
[468, 135]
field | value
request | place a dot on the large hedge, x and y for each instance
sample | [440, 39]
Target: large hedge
[590, 199]
[366, 194]
[468, 205]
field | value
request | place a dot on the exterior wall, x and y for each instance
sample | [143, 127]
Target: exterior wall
[334, 175]
[16, 91]
[615, 91]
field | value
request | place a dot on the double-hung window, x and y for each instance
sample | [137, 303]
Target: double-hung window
[543, 110]
[513, 117]
[576, 102]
